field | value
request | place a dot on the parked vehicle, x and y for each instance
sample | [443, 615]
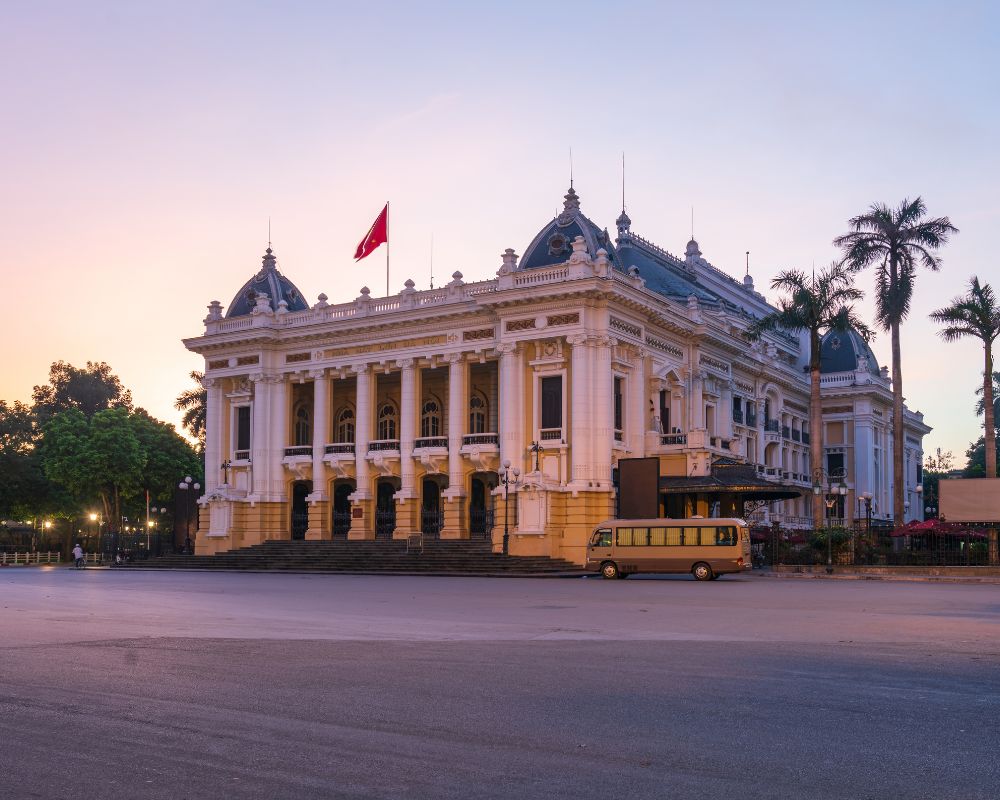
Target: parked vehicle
[706, 548]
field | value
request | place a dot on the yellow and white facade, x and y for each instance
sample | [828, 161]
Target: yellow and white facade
[386, 416]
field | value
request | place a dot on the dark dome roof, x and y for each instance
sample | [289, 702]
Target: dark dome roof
[270, 282]
[554, 243]
[840, 350]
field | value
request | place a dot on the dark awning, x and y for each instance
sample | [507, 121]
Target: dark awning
[729, 477]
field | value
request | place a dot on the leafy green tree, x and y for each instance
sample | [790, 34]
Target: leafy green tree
[975, 458]
[89, 390]
[193, 402]
[168, 457]
[818, 304]
[895, 241]
[94, 459]
[976, 314]
[980, 391]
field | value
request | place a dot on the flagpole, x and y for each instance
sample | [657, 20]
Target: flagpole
[387, 249]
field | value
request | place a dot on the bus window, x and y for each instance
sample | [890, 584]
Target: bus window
[657, 537]
[690, 536]
[674, 537]
[633, 537]
[725, 536]
[601, 538]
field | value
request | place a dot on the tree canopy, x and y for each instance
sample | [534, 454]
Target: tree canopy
[88, 390]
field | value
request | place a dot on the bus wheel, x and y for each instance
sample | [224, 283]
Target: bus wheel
[609, 569]
[701, 571]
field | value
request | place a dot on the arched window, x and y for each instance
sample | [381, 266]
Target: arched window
[345, 426]
[478, 413]
[303, 426]
[430, 419]
[387, 416]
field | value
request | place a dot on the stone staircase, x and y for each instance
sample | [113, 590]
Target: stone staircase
[439, 557]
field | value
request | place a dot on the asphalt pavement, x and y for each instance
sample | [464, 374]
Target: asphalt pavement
[209, 685]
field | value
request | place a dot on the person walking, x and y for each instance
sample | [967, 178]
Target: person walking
[78, 556]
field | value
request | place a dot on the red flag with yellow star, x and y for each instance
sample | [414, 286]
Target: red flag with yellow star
[377, 234]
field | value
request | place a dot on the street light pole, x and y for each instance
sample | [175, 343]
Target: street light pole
[509, 477]
[190, 489]
[832, 493]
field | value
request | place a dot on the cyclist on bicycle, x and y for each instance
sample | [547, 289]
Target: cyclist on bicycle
[78, 556]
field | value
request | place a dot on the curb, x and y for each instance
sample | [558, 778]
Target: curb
[858, 576]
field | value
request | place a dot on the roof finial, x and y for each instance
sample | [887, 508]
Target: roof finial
[748, 262]
[692, 223]
[571, 166]
[623, 181]
[269, 233]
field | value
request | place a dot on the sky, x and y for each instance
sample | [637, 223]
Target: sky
[146, 145]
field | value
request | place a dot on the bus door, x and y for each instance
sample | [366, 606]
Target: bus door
[600, 544]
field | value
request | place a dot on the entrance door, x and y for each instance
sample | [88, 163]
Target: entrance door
[300, 508]
[342, 508]
[480, 508]
[385, 510]
[431, 518]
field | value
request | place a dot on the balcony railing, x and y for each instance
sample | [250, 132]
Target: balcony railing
[619, 435]
[550, 434]
[751, 420]
[737, 416]
[674, 438]
[805, 437]
[299, 450]
[431, 441]
[771, 425]
[383, 444]
[480, 438]
[241, 455]
[796, 435]
[340, 447]
[786, 432]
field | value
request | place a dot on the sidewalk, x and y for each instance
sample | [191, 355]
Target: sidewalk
[985, 575]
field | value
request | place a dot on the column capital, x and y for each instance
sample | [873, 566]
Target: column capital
[210, 383]
[357, 369]
[316, 374]
[455, 358]
[578, 339]
[506, 348]
[406, 363]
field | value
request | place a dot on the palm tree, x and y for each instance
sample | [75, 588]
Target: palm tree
[817, 304]
[976, 314]
[980, 391]
[193, 403]
[896, 241]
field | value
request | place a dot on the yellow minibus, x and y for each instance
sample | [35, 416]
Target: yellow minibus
[706, 548]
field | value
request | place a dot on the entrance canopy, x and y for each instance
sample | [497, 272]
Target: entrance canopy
[728, 478]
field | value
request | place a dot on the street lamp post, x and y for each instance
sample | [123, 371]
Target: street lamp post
[509, 477]
[833, 492]
[190, 489]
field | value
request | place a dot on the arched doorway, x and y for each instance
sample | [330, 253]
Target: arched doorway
[300, 508]
[431, 514]
[342, 491]
[385, 509]
[481, 504]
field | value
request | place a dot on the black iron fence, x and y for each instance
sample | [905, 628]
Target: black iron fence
[116, 548]
[341, 522]
[431, 522]
[481, 522]
[869, 547]
[385, 523]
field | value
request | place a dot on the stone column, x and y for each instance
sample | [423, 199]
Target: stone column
[407, 498]
[603, 422]
[279, 433]
[458, 405]
[697, 398]
[319, 499]
[581, 403]
[214, 432]
[509, 402]
[724, 412]
[409, 416]
[635, 411]
[363, 527]
[259, 434]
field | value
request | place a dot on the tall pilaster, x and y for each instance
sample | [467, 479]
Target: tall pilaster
[724, 414]
[603, 422]
[321, 432]
[409, 411]
[458, 404]
[214, 415]
[581, 403]
[363, 430]
[259, 444]
[279, 432]
[635, 413]
[511, 403]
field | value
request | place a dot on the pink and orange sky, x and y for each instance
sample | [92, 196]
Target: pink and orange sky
[146, 145]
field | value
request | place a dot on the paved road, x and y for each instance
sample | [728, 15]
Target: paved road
[194, 685]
